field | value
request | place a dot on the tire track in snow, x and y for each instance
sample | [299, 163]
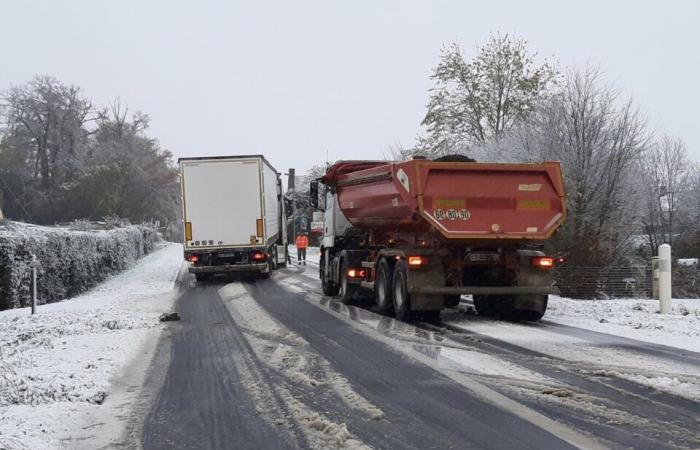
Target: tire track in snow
[585, 397]
[303, 373]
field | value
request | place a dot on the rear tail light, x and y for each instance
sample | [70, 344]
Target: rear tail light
[192, 258]
[258, 256]
[356, 273]
[543, 262]
[417, 261]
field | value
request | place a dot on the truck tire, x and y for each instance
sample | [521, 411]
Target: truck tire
[452, 301]
[273, 258]
[384, 289]
[496, 306]
[504, 307]
[347, 290]
[329, 288]
[201, 277]
[533, 313]
[401, 298]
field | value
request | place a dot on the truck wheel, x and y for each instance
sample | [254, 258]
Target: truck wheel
[537, 305]
[452, 301]
[347, 290]
[497, 306]
[281, 265]
[383, 289]
[201, 277]
[273, 259]
[402, 300]
[329, 288]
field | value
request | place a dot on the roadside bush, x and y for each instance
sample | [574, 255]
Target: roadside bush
[686, 281]
[68, 262]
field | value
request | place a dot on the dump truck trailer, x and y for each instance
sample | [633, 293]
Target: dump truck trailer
[234, 216]
[416, 235]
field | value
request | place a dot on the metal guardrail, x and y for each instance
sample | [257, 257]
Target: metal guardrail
[633, 281]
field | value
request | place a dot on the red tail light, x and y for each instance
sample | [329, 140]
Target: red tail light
[356, 273]
[258, 256]
[192, 258]
[417, 261]
[543, 262]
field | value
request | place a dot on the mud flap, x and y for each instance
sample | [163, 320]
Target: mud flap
[432, 275]
[532, 276]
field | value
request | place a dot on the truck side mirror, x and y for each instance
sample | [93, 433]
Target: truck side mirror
[317, 202]
[313, 194]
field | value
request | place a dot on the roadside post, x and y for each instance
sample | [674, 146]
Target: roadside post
[664, 279]
[655, 277]
[33, 284]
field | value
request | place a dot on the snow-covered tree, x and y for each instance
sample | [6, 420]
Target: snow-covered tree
[667, 179]
[63, 159]
[599, 138]
[477, 101]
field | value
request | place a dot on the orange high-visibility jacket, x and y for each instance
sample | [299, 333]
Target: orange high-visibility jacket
[302, 241]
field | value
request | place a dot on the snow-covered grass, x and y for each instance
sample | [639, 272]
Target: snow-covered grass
[636, 319]
[57, 366]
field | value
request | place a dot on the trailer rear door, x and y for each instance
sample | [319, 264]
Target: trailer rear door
[222, 202]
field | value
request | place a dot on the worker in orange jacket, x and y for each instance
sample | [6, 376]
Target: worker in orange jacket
[302, 242]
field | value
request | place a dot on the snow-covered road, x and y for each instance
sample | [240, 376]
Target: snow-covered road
[59, 367]
[274, 363]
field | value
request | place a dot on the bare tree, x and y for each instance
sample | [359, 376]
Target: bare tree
[667, 180]
[598, 140]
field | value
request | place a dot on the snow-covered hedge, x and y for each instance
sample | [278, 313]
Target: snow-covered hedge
[69, 262]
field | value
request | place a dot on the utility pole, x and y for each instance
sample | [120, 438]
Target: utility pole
[291, 187]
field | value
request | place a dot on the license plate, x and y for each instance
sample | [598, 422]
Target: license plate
[484, 257]
[227, 255]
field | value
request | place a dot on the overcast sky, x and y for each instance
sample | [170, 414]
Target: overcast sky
[295, 80]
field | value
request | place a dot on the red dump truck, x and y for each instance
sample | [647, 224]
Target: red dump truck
[416, 235]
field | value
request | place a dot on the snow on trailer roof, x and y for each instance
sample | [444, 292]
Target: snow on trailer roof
[209, 158]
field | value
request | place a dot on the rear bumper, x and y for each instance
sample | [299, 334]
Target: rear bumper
[487, 290]
[228, 268]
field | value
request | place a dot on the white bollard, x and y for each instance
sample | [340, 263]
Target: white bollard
[664, 279]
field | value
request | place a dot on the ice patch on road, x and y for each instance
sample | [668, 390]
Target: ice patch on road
[484, 364]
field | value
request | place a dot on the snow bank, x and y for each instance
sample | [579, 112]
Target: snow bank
[69, 262]
[57, 366]
[636, 319]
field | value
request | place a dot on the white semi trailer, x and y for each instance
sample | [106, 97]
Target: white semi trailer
[234, 215]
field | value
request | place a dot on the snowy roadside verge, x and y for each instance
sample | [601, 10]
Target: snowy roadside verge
[632, 318]
[313, 254]
[58, 366]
